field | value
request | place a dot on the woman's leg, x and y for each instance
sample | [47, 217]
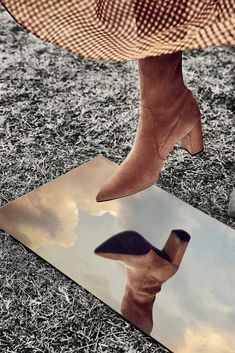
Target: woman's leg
[161, 80]
[168, 113]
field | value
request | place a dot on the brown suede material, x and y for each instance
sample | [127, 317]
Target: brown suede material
[168, 113]
[175, 248]
[138, 313]
[193, 141]
[145, 276]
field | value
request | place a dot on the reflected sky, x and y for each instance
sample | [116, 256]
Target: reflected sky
[62, 222]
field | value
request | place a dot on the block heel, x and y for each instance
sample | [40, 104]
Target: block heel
[193, 141]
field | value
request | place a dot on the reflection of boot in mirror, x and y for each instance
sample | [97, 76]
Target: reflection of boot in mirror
[146, 267]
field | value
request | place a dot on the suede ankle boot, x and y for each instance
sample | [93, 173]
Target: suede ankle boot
[147, 268]
[169, 113]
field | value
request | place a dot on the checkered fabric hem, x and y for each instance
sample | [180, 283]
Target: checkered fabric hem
[127, 29]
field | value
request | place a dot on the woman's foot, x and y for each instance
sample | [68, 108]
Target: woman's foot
[168, 114]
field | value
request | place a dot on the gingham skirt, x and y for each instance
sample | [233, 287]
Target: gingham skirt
[127, 29]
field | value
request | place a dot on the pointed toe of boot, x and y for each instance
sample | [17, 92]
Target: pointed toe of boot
[107, 192]
[114, 188]
[125, 182]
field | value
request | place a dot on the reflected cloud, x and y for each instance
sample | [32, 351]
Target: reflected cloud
[205, 339]
[41, 219]
[50, 214]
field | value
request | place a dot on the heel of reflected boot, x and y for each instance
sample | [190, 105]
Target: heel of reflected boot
[193, 141]
[176, 245]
